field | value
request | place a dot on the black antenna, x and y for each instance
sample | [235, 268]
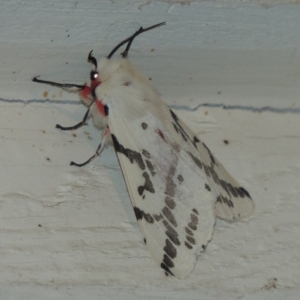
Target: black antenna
[92, 59]
[130, 40]
[61, 85]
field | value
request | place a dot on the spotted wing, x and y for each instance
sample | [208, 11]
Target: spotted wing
[233, 201]
[176, 185]
[170, 194]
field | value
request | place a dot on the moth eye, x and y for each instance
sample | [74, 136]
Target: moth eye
[94, 75]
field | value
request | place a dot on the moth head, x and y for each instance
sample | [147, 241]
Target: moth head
[94, 75]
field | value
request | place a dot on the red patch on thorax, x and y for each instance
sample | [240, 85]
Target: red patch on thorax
[95, 83]
[100, 107]
[86, 92]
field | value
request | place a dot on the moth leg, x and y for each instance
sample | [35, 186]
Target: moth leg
[70, 87]
[98, 151]
[80, 124]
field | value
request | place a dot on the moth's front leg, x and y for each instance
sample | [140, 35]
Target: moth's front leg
[83, 90]
[80, 124]
[104, 142]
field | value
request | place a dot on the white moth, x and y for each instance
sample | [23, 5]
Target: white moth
[176, 185]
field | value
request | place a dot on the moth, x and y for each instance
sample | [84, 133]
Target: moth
[176, 185]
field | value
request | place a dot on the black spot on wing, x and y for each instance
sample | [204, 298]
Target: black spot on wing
[210, 154]
[223, 185]
[171, 233]
[219, 199]
[175, 127]
[183, 135]
[170, 184]
[232, 190]
[193, 223]
[195, 211]
[189, 246]
[132, 155]
[206, 169]
[169, 215]
[175, 118]
[222, 199]
[146, 153]
[180, 178]
[165, 267]
[150, 167]
[207, 187]
[209, 170]
[214, 175]
[188, 231]
[168, 261]
[196, 160]
[148, 185]
[195, 141]
[144, 126]
[140, 214]
[240, 193]
[158, 217]
[170, 249]
[179, 129]
[191, 240]
[242, 190]
[170, 202]
[189, 237]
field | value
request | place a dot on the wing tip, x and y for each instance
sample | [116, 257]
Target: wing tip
[238, 209]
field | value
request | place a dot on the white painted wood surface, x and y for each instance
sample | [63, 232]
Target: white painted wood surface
[231, 70]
